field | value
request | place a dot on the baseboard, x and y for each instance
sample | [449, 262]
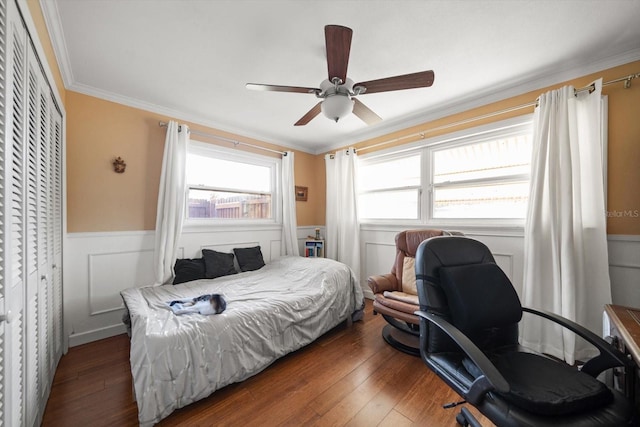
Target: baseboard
[96, 334]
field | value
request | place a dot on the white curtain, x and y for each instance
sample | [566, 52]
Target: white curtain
[171, 201]
[566, 267]
[289, 221]
[342, 241]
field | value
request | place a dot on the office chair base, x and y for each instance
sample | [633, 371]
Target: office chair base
[465, 418]
[403, 341]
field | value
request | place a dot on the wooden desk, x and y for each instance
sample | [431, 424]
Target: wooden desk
[625, 332]
[627, 322]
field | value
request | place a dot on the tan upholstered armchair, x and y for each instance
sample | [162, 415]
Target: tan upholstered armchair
[396, 298]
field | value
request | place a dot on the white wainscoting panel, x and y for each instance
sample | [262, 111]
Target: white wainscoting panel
[379, 257]
[100, 265]
[97, 266]
[508, 251]
[505, 262]
[275, 247]
[132, 267]
[624, 269]
[379, 251]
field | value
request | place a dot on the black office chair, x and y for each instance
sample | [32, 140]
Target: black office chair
[469, 314]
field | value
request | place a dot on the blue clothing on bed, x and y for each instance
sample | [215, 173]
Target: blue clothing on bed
[204, 304]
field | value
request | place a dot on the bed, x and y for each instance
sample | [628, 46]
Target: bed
[285, 305]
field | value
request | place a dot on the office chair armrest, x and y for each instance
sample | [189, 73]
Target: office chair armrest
[609, 356]
[491, 378]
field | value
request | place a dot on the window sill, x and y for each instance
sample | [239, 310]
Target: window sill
[199, 226]
[502, 228]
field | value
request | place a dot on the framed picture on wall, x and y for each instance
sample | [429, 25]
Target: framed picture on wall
[301, 193]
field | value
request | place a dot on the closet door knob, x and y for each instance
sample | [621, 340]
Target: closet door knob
[6, 317]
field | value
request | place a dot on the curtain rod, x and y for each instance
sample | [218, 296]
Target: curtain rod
[221, 138]
[590, 88]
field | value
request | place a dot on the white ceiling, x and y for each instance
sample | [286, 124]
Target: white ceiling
[191, 59]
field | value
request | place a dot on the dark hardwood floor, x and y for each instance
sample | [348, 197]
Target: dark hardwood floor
[348, 377]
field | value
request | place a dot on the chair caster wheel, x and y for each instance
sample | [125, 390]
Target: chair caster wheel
[461, 420]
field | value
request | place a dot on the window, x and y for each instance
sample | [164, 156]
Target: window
[230, 185]
[488, 179]
[390, 188]
[478, 174]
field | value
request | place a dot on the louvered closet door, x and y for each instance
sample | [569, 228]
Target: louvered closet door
[5, 366]
[45, 314]
[30, 227]
[13, 244]
[35, 300]
[55, 232]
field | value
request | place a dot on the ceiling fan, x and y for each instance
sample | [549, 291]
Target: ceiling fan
[338, 93]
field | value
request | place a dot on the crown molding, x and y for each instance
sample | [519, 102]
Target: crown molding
[56, 34]
[180, 115]
[529, 83]
[536, 80]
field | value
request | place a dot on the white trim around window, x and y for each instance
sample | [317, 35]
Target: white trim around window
[427, 150]
[272, 188]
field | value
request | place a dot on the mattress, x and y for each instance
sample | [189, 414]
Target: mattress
[287, 304]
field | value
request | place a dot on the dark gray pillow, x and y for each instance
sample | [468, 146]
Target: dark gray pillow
[480, 296]
[249, 259]
[217, 264]
[187, 270]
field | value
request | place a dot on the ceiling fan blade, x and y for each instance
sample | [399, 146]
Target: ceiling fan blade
[406, 81]
[310, 115]
[364, 113]
[338, 41]
[276, 88]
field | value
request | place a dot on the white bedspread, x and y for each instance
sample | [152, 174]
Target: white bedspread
[177, 360]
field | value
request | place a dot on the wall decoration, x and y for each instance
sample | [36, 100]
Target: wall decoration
[301, 193]
[119, 165]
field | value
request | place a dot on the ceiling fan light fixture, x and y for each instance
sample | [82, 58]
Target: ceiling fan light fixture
[338, 93]
[336, 107]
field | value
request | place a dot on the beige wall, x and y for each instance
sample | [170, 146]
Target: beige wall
[309, 172]
[623, 139]
[98, 199]
[97, 131]
[624, 152]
